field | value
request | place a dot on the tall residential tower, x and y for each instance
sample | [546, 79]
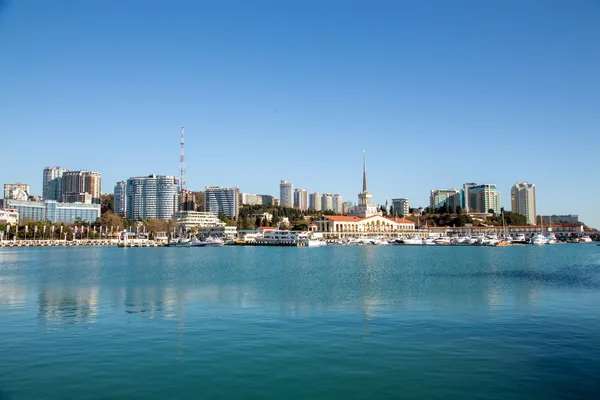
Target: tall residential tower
[522, 198]
[286, 194]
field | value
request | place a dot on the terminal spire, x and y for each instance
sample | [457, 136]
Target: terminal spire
[364, 170]
[182, 163]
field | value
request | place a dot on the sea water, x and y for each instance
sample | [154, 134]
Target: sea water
[346, 322]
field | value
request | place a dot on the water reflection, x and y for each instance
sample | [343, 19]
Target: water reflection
[292, 282]
[68, 305]
[12, 294]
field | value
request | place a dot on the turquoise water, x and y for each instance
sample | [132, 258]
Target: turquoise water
[333, 322]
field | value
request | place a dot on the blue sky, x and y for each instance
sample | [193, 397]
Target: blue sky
[438, 93]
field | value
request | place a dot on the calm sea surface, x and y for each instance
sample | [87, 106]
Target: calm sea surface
[332, 322]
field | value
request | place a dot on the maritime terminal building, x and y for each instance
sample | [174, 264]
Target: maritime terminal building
[363, 220]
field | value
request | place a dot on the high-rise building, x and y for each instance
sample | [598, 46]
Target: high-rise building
[187, 200]
[286, 194]
[76, 182]
[120, 199]
[347, 206]
[52, 183]
[251, 199]
[256, 199]
[400, 207]
[480, 198]
[485, 197]
[440, 197]
[522, 198]
[16, 191]
[221, 200]
[151, 197]
[365, 208]
[337, 204]
[301, 199]
[327, 202]
[314, 201]
[465, 202]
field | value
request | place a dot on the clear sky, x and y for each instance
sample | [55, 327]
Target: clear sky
[438, 93]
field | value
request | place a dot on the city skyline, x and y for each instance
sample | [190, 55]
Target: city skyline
[491, 102]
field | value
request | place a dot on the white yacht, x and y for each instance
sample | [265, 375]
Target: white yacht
[551, 238]
[462, 240]
[585, 239]
[181, 242]
[429, 241]
[412, 241]
[444, 241]
[282, 237]
[208, 242]
[519, 238]
[538, 238]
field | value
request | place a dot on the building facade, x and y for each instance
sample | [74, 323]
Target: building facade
[440, 197]
[301, 199]
[76, 182]
[16, 191]
[286, 194]
[221, 200]
[400, 207]
[55, 212]
[52, 183]
[314, 201]
[197, 219]
[337, 204]
[347, 206]
[337, 227]
[9, 216]
[120, 198]
[522, 198]
[465, 202]
[151, 197]
[483, 198]
[327, 202]
[569, 218]
[187, 200]
[256, 199]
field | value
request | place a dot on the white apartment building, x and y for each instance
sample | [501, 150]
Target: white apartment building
[52, 183]
[337, 204]
[286, 194]
[252, 199]
[16, 191]
[152, 197]
[522, 197]
[314, 201]
[301, 199]
[221, 200]
[327, 202]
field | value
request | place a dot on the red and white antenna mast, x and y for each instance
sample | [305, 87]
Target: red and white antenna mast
[182, 163]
